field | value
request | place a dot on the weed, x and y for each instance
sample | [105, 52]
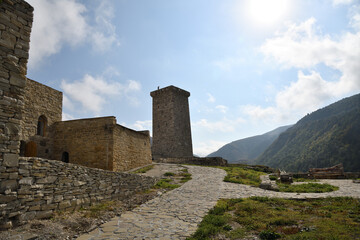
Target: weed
[169, 174]
[165, 184]
[242, 175]
[273, 218]
[273, 178]
[269, 235]
[307, 188]
[144, 169]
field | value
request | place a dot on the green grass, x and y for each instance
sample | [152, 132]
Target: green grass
[305, 180]
[144, 169]
[243, 176]
[307, 188]
[166, 184]
[273, 218]
[169, 174]
[273, 178]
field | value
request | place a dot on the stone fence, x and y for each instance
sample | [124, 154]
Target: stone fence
[206, 161]
[33, 188]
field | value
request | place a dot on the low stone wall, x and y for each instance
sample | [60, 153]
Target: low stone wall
[33, 188]
[207, 161]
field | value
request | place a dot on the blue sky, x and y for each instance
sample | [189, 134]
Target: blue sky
[250, 66]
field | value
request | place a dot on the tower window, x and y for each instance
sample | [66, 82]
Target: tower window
[41, 126]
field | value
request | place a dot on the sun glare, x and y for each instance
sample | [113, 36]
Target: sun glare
[266, 12]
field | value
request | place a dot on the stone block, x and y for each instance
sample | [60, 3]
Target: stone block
[11, 160]
[47, 180]
[7, 198]
[44, 214]
[8, 184]
[64, 204]
[26, 181]
[27, 216]
[17, 79]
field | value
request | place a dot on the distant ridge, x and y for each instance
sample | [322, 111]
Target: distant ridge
[247, 149]
[324, 138]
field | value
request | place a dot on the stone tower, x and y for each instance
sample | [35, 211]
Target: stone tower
[171, 123]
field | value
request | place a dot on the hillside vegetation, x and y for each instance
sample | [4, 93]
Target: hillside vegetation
[324, 138]
[248, 149]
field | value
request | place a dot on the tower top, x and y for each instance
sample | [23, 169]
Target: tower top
[167, 90]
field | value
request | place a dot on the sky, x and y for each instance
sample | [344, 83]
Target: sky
[250, 65]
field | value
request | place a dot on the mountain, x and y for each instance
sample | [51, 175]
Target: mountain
[248, 149]
[324, 138]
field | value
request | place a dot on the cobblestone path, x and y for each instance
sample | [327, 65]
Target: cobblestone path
[176, 214]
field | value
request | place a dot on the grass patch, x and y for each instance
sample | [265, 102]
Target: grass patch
[97, 210]
[166, 184]
[305, 180]
[273, 218]
[273, 178]
[144, 169]
[243, 176]
[307, 188]
[185, 176]
[169, 174]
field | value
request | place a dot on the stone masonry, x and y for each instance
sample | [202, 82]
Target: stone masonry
[101, 143]
[171, 123]
[16, 18]
[40, 101]
[36, 187]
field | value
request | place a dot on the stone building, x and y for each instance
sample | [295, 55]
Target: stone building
[16, 18]
[171, 123]
[95, 142]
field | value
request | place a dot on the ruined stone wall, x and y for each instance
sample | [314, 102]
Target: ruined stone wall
[89, 142]
[171, 123]
[35, 188]
[40, 100]
[16, 18]
[131, 149]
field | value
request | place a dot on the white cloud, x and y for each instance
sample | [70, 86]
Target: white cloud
[303, 47]
[66, 117]
[211, 98]
[104, 36]
[203, 149]
[339, 2]
[141, 125]
[222, 108]
[66, 22]
[55, 23]
[91, 92]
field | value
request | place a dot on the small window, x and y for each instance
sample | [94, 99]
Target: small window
[41, 127]
[65, 157]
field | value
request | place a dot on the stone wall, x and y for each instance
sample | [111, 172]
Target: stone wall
[131, 149]
[171, 123]
[40, 100]
[35, 188]
[88, 142]
[16, 18]
[206, 161]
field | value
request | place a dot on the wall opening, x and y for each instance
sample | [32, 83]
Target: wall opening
[30, 149]
[65, 157]
[41, 126]
[22, 148]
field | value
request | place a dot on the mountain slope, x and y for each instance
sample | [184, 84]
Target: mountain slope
[248, 148]
[324, 138]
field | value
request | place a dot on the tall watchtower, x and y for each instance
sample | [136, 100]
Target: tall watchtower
[171, 123]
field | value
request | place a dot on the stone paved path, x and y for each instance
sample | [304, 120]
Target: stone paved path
[176, 214]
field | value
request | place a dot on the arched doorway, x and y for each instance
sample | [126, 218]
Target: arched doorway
[65, 157]
[30, 149]
[41, 126]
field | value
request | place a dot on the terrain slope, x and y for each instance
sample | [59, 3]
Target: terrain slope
[324, 138]
[248, 149]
